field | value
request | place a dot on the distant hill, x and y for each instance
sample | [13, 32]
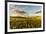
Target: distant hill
[30, 17]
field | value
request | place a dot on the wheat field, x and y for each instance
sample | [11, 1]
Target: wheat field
[17, 22]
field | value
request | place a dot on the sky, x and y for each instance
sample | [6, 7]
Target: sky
[29, 9]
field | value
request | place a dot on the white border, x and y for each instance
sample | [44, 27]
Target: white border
[29, 29]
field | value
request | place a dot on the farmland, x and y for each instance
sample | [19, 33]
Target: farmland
[17, 22]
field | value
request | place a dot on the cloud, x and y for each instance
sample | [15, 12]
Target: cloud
[20, 8]
[37, 12]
